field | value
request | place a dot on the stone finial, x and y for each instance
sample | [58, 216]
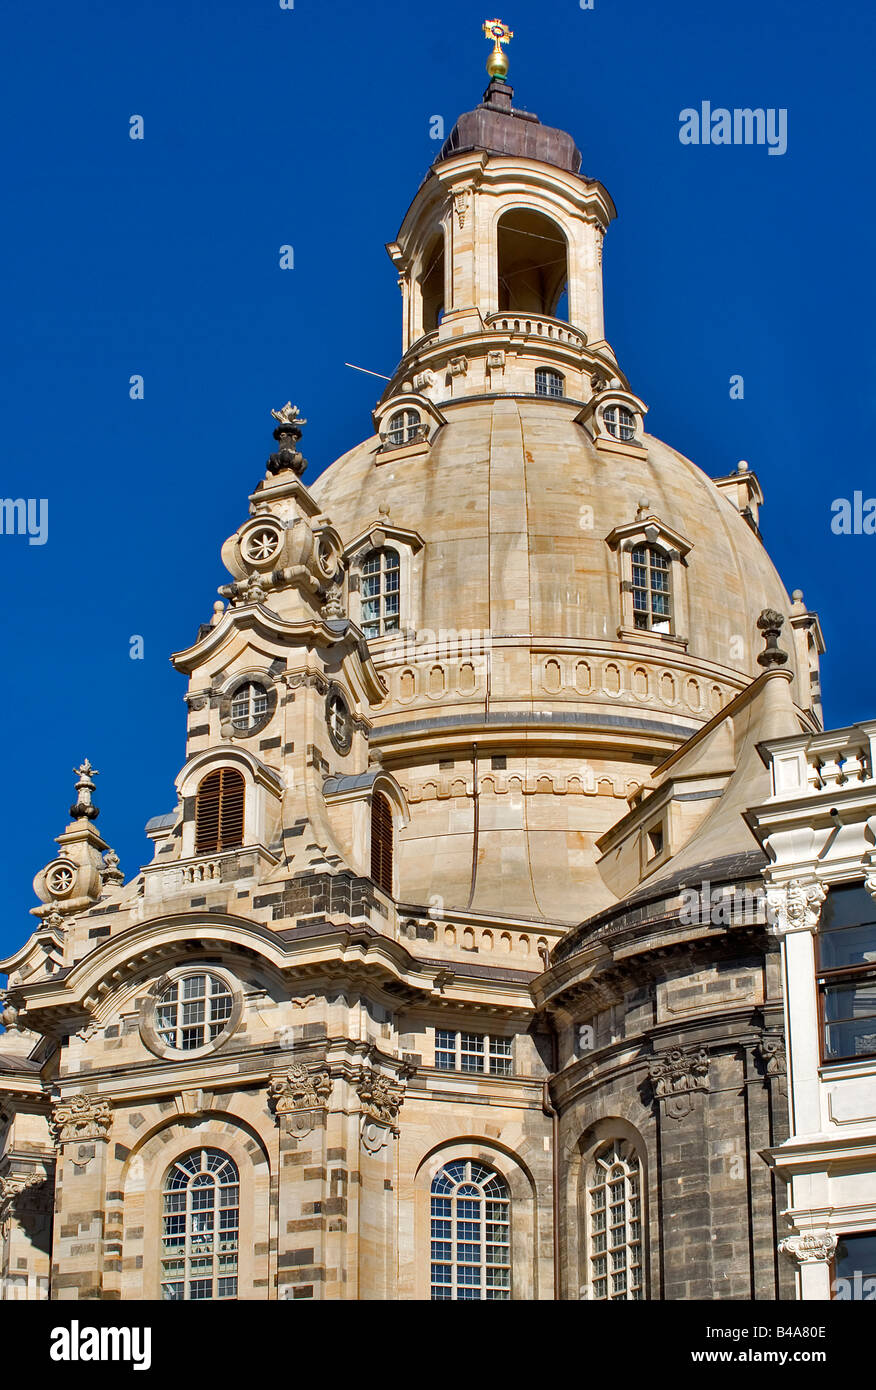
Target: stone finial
[83, 807]
[644, 509]
[218, 613]
[770, 623]
[287, 434]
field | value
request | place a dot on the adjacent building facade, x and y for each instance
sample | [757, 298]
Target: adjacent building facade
[452, 973]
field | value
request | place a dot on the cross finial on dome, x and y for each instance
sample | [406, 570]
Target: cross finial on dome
[497, 63]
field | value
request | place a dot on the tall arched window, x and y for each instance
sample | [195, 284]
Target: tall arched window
[651, 589]
[471, 1234]
[219, 808]
[201, 1225]
[381, 591]
[614, 1225]
[381, 842]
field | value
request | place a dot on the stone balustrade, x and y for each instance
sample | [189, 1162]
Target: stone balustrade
[824, 762]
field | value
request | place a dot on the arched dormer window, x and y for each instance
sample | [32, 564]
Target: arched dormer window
[652, 591]
[200, 1227]
[549, 383]
[471, 1234]
[652, 569]
[404, 426]
[614, 1225]
[381, 842]
[620, 422]
[219, 811]
[381, 590]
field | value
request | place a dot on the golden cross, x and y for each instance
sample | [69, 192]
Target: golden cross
[495, 29]
[497, 63]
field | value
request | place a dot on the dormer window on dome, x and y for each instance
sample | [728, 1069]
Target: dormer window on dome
[652, 575]
[652, 589]
[620, 422]
[381, 592]
[403, 428]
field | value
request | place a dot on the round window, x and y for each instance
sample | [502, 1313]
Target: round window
[193, 1011]
[261, 545]
[249, 705]
[620, 422]
[59, 880]
[340, 723]
[403, 428]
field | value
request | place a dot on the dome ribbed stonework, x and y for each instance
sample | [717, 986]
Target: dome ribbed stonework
[514, 504]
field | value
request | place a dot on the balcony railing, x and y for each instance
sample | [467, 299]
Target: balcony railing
[814, 763]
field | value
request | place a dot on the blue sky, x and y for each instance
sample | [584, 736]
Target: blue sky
[310, 127]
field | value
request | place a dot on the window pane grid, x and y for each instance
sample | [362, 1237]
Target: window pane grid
[473, 1052]
[380, 588]
[614, 1227]
[193, 1011]
[201, 1195]
[651, 591]
[471, 1234]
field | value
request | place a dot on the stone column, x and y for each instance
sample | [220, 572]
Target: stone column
[380, 1100]
[677, 1078]
[82, 1264]
[299, 1097]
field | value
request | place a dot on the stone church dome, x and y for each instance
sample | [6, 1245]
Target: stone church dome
[571, 599]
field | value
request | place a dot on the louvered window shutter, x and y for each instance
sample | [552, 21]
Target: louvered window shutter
[381, 842]
[219, 811]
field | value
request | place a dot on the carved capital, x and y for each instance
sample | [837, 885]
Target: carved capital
[19, 1193]
[295, 1095]
[80, 1119]
[795, 906]
[676, 1076]
[771, 1051]
[812, 1248]
[381, 1099]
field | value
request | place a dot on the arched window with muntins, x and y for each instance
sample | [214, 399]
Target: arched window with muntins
[549, 383]
[403, 428]
[381, 842]
[200, 1227]
[470, 1234]
[614, 1225]
[381, 592]
[219, 811]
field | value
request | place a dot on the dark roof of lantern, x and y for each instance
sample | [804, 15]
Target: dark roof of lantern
[496, 127]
